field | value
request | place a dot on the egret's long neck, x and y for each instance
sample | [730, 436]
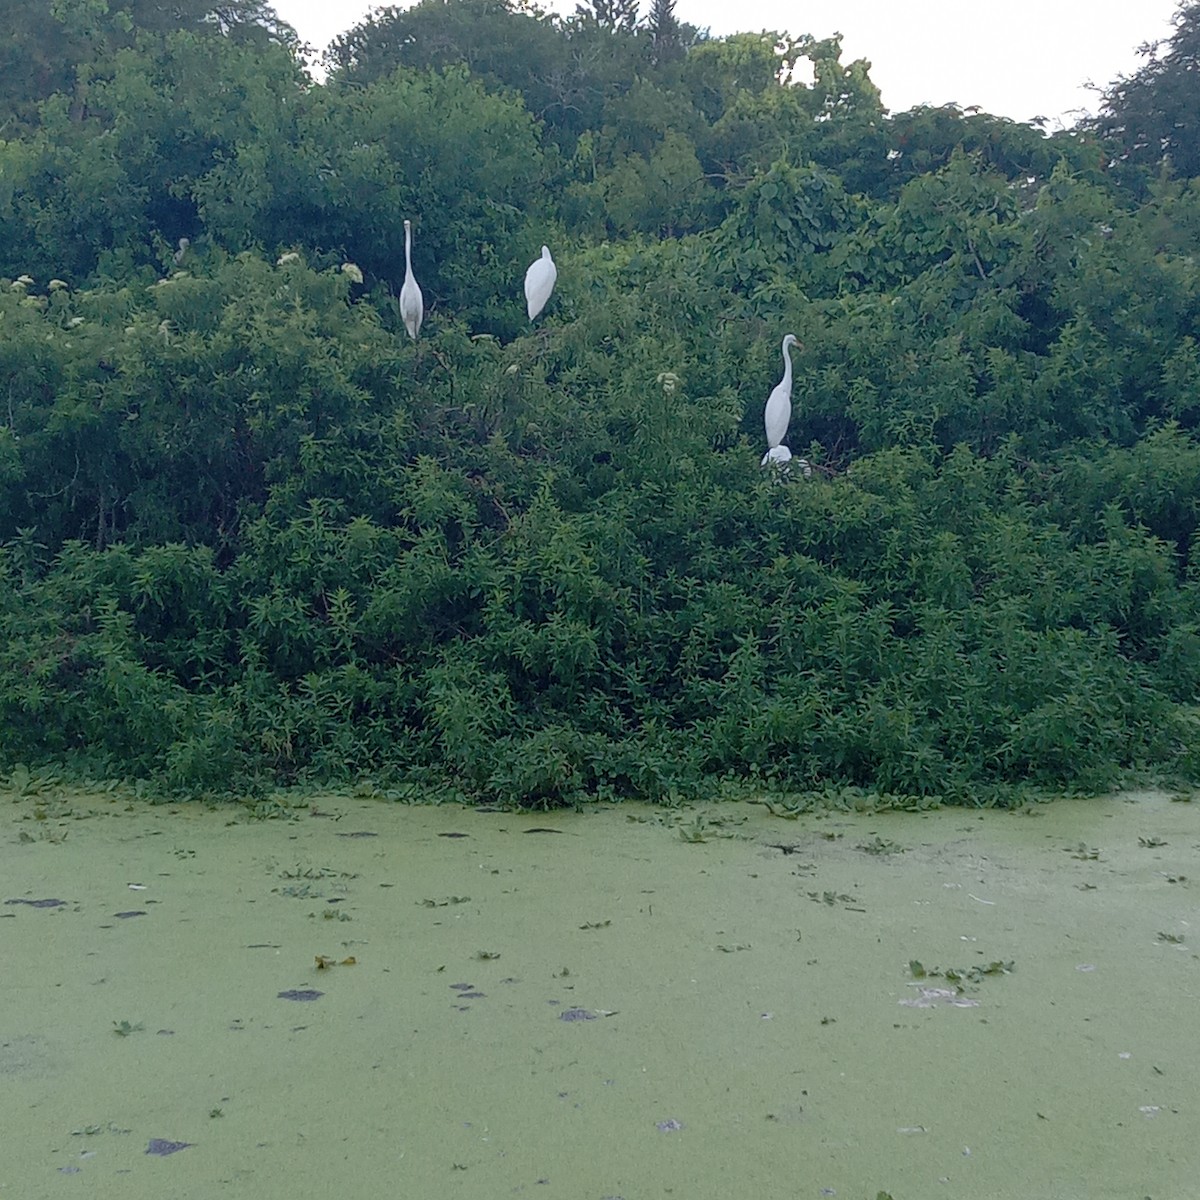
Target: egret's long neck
[787, 365]
[408, 247]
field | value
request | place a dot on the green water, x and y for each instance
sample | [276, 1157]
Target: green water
[747, 1021]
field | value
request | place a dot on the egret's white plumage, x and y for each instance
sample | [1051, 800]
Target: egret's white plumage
[412, 303]
[780, 458]
[779, 404]
[539, 282]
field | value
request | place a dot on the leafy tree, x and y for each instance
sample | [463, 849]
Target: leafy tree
[610, 14]
[1151, 115]
[504, 43]
[664, 31]
[925, 139]
[60, 47]
[137, 168]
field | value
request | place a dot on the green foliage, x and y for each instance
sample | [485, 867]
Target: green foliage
[61, 45]
[1150, 117]
[251, 534]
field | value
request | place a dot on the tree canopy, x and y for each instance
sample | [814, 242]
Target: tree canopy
[1153, 116]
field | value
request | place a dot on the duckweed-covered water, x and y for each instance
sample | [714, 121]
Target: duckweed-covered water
[598, 1005]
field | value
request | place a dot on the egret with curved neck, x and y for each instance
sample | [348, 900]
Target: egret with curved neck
[412, 303]
[779, 404]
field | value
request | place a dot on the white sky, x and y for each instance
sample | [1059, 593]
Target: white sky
[1017, 58]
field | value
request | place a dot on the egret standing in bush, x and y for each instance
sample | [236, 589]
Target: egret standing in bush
[539, 282]
[777, 415]
[412, 303]
[779, 404]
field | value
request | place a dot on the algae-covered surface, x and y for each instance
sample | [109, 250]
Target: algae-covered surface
[378, 1000]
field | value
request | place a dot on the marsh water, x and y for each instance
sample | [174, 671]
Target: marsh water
[433, 1002]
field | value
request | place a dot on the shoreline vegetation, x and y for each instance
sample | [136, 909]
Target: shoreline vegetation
[254, 536]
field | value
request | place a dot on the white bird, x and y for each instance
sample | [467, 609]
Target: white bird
[780, 457]
[779, 404]
[539, 282]
[412, 303]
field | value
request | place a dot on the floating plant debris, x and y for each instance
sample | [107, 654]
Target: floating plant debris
[576, 1014]
[541, 829]
[668, 1126]
[474, 995]
[931, 997]
[358, 833]
[463, 987]
[137, 912]
[162, 1147]
[38, 903]
[454, 835]
[324, 962]
[300, 994]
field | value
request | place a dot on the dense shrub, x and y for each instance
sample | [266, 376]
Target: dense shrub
[253, 535]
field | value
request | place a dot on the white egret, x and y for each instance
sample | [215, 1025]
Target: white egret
[412, 303]
[539, 282]
[780, 457]
[779, 404]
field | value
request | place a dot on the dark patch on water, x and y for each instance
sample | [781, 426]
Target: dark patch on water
[462, 987]
[49, 903]
[300, 994]
[454, 835]
[162, 1147]
[359, 833]
[539, 829]
[670, 1125]
[474, 995]
[576, 1014]
[135, 912]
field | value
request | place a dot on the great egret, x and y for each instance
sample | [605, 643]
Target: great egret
[539, 282]
[779, 404]
[780, 457]
[412, 304]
